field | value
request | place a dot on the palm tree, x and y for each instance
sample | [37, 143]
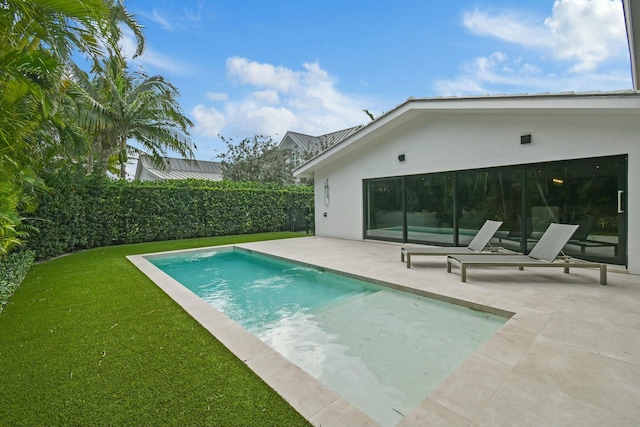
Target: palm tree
[132, 105]
[37, 39]
[68, 26]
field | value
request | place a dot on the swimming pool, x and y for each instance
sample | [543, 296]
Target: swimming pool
[351, 335]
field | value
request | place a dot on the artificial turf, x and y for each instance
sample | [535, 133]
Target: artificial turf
[88, 340]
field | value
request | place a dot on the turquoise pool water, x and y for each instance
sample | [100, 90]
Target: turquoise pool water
[381, 349]
[257, 291]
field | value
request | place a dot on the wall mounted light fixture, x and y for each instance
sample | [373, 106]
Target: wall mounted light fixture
[326, 192]
[401, 158]
[525, 139]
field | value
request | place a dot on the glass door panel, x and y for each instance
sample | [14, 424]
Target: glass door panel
[384, 218]
[494, 194]
[430, 208]
[584, 192]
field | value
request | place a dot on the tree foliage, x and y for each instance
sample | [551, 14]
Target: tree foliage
[257, 159]
[125, 104]
[49, 117]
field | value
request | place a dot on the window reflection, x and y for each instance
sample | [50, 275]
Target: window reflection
[449, 208]
[384, 213]
[430, 208]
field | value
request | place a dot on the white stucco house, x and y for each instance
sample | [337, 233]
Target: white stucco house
[433, 169]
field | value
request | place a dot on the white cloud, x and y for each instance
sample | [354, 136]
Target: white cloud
[572, 49]
[217, 96]
[174, 20]
[269, 97]
[262, 75]
[589, 32]
[498, 73]
[209, 121]
[158, 18]
[509, 26]
[585, 31]
[193, 16]
[497, 69]
[277, 99]
[149, 57]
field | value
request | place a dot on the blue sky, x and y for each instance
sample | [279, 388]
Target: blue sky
[247, 67]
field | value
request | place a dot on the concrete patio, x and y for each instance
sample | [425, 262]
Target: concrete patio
[570, 354]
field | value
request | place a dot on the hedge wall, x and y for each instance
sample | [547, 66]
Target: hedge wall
[79, 213]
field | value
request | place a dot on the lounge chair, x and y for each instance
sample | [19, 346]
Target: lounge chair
[543, 254]
[583, 238]
[476, 245]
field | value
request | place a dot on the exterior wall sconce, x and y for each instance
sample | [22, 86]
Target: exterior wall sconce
[326, 193]
[401, 158]
[525, 139]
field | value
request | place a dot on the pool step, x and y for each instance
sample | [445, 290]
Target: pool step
[340, 301]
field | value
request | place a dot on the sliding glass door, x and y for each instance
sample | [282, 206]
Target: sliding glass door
[430, 209]
[588, 192]
[385, 209]
[448, 208]
[494, 194]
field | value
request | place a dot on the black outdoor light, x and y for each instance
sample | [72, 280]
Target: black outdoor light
[525, 139]
[401, 158]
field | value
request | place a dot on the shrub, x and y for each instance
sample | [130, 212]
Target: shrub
[83, 212]
[13, 268]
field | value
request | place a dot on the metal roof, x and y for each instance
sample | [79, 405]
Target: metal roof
[178, 169]
[306, 143]
[335, 137]
[300, 141]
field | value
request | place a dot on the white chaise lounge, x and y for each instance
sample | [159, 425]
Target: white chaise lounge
[544, 254]
[476, 246]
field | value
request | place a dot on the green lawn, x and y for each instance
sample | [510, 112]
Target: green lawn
[88, 340]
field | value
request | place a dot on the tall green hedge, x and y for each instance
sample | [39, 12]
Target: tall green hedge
[85, 212]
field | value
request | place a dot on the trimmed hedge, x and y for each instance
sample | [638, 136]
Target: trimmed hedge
[85, 212]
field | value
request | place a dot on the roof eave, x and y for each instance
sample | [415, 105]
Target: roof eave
[495, 103]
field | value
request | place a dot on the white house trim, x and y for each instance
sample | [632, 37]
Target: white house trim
[632, 15]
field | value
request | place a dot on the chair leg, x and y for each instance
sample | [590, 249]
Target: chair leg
[408, 260]
[603, 274]
[463, 273]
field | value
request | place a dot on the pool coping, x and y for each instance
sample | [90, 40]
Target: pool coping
[312, 399]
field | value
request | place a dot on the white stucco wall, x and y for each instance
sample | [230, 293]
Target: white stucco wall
[449, 141]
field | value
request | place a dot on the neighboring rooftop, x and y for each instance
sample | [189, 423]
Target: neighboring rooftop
[174, 168]
[304, 145]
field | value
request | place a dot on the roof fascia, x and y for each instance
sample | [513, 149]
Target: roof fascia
[631, 17]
